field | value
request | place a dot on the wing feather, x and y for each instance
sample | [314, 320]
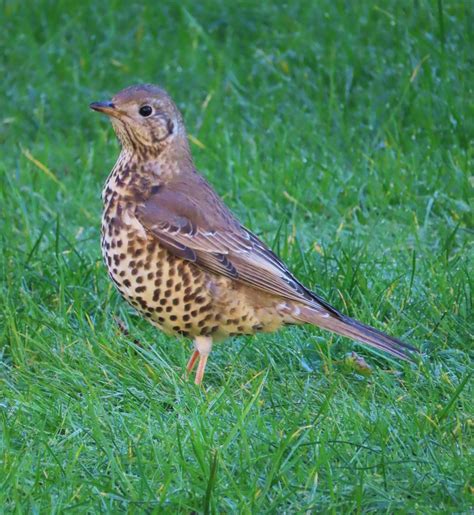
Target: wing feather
[193, 223]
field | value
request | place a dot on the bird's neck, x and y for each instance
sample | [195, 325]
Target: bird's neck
[133, 172]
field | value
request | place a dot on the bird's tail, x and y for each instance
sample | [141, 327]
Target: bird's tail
[346, 326]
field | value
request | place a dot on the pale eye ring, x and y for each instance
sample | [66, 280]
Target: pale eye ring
[145, 110]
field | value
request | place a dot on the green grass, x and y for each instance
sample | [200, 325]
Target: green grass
[342, 133]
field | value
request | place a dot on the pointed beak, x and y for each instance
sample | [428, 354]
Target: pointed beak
[107, 108]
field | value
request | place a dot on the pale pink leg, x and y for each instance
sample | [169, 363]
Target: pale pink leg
[200, 370]
[203, 345]
[192, 362]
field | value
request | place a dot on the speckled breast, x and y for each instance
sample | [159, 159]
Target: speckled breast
[172, 293]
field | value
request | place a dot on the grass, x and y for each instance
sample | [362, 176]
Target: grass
[340, 132]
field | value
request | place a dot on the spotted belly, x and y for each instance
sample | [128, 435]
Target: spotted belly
[177, 296]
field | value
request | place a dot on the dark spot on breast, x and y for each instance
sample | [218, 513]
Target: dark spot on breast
[127, 283]
[134, 271]
[175, 302]
[195, 272]
[139, 279]
[169, 283]
[140, 289]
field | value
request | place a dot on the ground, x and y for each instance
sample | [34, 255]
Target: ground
[340, 132]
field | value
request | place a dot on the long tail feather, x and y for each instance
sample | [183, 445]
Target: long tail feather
[346, 326]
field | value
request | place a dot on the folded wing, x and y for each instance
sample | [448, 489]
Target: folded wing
[191, 221]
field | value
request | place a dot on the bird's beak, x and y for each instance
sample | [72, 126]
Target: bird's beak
[107, 108]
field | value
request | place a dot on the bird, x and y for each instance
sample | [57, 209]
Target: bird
[178, 254]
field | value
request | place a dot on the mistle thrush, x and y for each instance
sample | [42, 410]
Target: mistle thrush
[178, 254]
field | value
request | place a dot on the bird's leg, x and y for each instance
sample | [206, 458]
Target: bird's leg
[203, 345]
[192, 361]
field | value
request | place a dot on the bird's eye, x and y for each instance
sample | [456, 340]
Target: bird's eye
[145, 111]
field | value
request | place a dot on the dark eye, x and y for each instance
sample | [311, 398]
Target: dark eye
[145, 110]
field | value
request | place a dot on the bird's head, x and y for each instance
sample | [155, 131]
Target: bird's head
[144, 117]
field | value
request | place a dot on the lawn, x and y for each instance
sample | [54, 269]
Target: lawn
[342, 133]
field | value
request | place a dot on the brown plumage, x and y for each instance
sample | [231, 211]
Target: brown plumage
[178, 254]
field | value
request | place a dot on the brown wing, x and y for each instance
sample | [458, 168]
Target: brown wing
[191, 221]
